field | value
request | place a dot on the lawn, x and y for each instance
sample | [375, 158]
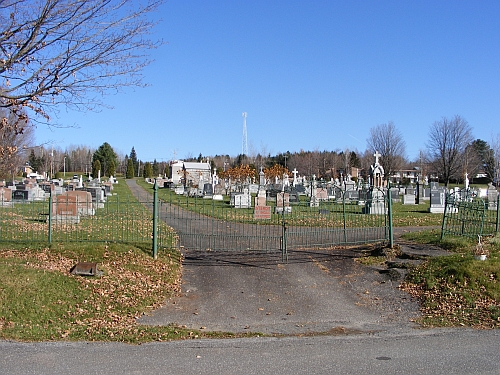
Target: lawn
[457, 290]
[40, 300]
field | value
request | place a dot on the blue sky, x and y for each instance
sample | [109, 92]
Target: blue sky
[311, 75]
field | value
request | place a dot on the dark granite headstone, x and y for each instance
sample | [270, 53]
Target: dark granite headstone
[20, 195]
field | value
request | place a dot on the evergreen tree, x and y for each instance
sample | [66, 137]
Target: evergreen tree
[112, 168]
[107, 158]
[148, 170]
[354, 160]
[133, 157]
[156, 169]
[36, 162]
[130, 169]
[96, 167]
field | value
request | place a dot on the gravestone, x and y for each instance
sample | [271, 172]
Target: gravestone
[351, 195]
[241, 200]
[492, 196]
[349, 185]
[283, 203]
[314, 201]
[219, 189]
[208, 190]
[261, 210]
[395, 197]
[179, 190]
[65, 209]
[321, 194]
[260, 199]
[37, 194]
[20, 195]
[262, 178]
[83, 199]
[363, 196]
[300, 189]
[438, 199]
[253, 188]
[375, 203]
[409, 196]
[5, 196]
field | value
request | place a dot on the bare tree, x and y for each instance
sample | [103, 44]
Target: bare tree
[495, 145]
[448, 140]
[388, 141]
[58, 52]
[13, 145]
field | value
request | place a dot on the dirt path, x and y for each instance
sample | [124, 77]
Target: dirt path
[316, 291]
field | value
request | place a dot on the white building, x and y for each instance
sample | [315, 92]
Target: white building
[190, 173]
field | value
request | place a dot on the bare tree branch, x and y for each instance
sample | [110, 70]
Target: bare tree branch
[388, 141]
[447, 143]
[71, 52]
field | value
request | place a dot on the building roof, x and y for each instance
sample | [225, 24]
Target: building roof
[198, 166]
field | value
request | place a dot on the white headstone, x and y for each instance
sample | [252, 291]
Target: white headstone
[295, 171]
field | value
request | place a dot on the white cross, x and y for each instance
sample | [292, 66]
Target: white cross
[377, 155]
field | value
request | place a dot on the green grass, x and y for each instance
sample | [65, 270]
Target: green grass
[123, 219]
[417, 215]
[457, 290]
[302, 214]
[41, 301]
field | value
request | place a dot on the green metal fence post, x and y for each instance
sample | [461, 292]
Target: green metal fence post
[443, 223]
[389, 212]
[50, 217]
[284, 250]
[155, 221]
[344, 216]
[497, 224]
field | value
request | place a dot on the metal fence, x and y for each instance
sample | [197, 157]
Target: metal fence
[68, 220]
[211, 225]
[468, 215]
[201, 224]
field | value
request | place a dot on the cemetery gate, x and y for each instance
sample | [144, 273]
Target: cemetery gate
[286, 222]
[468, 215]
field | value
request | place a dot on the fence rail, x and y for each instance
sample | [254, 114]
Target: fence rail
[117, 220]
[210, 225]
[168, 220]
[468, 215]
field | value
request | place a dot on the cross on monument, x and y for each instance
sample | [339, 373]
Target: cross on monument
[377, 155]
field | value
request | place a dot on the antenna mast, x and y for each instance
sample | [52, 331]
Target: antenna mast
[244, 148]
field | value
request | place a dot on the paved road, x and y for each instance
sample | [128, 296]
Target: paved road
[456, 351]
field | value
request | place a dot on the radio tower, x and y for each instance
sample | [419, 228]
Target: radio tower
[244, 148]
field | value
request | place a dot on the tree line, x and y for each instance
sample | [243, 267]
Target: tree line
[450, 153]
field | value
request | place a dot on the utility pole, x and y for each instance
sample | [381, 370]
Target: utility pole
[244, 147]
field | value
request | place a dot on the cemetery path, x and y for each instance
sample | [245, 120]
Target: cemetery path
[317, 291]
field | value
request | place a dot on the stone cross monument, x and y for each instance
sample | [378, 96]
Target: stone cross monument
[377, 172]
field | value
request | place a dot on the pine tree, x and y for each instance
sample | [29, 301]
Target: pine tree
[96, 167]
[148, 170]
[156, 169]
[130, 169]
[133, 157]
